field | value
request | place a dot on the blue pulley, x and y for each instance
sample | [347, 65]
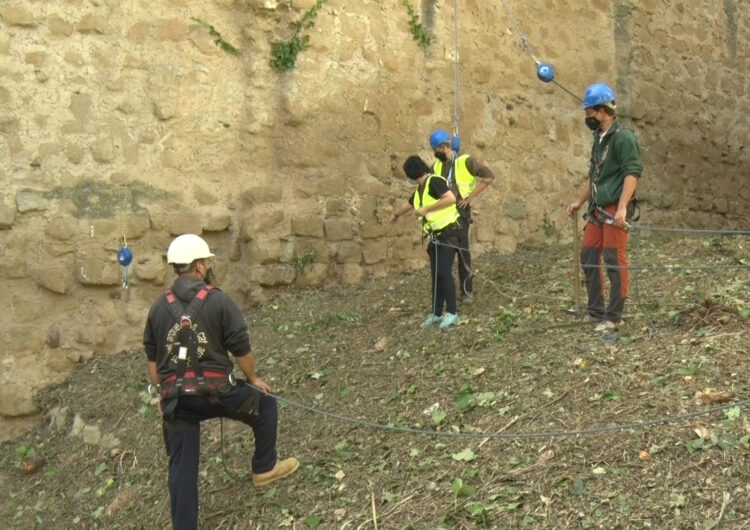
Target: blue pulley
[124, 256]
[545, 72]
[456, 143]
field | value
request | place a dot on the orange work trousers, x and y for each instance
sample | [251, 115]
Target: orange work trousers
[608, 244]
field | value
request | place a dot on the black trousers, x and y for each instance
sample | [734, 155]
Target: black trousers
[442, 254]
[182, 437]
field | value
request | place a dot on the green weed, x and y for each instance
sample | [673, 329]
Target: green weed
[284, 53]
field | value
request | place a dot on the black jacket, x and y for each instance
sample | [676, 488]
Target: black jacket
[220, 328]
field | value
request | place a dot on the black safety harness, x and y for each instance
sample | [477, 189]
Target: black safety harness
[196, 380]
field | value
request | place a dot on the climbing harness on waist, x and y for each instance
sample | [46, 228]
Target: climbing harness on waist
[186, 341]
[196, 380]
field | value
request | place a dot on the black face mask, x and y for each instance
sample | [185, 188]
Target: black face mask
[441, 156]
[592, 123]
[209, 277]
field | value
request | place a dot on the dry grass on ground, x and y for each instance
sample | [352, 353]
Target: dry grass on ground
[517, 366]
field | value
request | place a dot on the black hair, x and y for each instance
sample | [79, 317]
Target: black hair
[605, 108]
[415, 167]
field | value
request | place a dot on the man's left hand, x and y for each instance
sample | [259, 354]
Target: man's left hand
[465, 203]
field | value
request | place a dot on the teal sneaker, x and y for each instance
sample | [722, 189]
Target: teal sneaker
[432, 319]
[449, 319]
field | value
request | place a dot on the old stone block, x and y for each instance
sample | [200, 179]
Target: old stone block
[103, 150]
[349, 252]
[36, 58]
[263, 194]
[351, 273]
[17, 16]
[203, 196]
[60, 27]
[16, 399]
[308, 225]
[203, 40]
[80, 106]
[92, 269]
[165, 108]
[260, 223]
[336, 207]
[62, 227]
[216, 221]
[515, 211]
[372, 229]
[312, 274]
[13, 266]
[150, 268]
[137, 223]
[7, 214]
[338, 229]
[271, 276]
[368, 185]
[265, 250]
[92, 23]
[139, 32]
[177, 222]
[172, 29]
[31, 200]
[375, 252]
[74, 58]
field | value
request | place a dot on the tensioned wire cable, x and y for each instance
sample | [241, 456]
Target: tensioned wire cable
[592, 431]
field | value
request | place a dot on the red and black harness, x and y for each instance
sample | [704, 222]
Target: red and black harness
[196, 380]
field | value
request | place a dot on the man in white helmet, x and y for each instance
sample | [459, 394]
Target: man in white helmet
[189, 334]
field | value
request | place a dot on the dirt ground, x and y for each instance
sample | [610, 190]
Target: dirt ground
[521, 417]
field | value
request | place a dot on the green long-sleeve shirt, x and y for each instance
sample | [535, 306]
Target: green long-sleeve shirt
[621, 156]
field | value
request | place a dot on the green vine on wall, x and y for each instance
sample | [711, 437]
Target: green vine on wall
[284, 53]
[219, 41]
[418, 31]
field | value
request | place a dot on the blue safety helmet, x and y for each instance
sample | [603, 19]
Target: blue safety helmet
[439, 137]
[598, 94]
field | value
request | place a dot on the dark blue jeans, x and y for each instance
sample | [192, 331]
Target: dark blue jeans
[182, 437]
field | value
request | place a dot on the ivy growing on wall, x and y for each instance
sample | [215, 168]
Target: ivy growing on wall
[418, 31]
[284, 53]
[219, 41]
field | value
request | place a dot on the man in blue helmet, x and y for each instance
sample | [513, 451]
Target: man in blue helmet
[467, 179]
[613, 176]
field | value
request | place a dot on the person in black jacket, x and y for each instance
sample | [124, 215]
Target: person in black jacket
[189, 334]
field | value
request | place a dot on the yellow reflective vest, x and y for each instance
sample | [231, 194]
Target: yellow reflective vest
[438, 219]
[465, 181]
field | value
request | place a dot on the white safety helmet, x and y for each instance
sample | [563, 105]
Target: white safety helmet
[187, 248]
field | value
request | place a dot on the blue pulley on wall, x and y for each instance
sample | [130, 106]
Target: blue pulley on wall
[124, 256]
[545, 72]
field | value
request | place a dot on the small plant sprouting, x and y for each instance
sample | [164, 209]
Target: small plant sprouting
[219, 41]
[418, 31]
[301, 261]
[549, 227]
[284, 53]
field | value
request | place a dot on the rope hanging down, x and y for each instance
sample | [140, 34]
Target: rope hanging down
[455, 141]
[544, 71]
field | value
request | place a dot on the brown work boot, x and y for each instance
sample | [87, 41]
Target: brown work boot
[283, 468]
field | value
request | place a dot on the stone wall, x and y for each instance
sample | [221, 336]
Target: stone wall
[124, 120]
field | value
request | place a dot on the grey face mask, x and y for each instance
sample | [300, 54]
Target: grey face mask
[412, 181]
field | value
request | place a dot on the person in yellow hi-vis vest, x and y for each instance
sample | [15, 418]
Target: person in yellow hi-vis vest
[434, 204]
[467, 179]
